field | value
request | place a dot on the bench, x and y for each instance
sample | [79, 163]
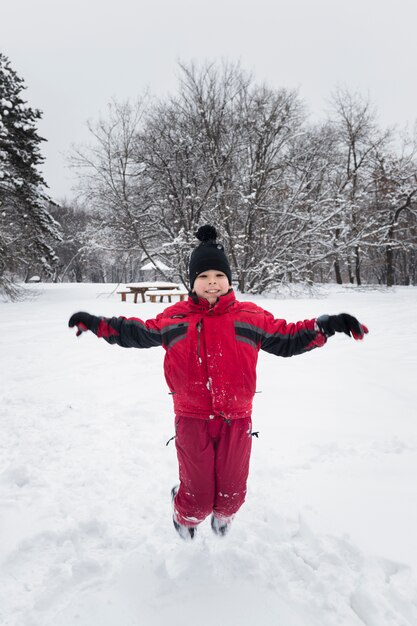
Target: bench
[162, 293]
[125, 293]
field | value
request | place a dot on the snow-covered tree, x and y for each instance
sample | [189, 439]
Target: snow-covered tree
[113, 183]
[27, 230]
[216, 153]
[360, 141]
[188, 146]
[392, 242]
[292, 201]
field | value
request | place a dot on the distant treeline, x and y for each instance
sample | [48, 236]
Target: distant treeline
[293, 201]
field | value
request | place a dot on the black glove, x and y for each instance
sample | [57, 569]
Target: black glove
[342, 323]
[83, 321]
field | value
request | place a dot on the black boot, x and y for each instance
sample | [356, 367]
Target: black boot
[185, 532]
[220, 526]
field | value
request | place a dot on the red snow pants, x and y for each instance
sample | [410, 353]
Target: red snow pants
[213, 457]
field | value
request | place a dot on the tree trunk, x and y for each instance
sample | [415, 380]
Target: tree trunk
[78, 274]
[337, 272]
[349, 269]
[389, 259]
[241, 282]
[358, 266]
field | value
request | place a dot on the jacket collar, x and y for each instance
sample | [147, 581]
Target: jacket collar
[221, 306]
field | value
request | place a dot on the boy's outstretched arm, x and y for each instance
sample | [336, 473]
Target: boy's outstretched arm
[289, 339]
[125, 332]
[342, 323]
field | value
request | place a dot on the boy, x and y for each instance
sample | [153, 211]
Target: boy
[212, 343]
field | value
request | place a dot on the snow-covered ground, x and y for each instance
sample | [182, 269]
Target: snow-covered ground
[327, 536]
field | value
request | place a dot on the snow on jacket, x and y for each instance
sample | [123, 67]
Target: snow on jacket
[212, 352]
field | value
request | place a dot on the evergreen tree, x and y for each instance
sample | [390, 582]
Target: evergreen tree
[27, 230]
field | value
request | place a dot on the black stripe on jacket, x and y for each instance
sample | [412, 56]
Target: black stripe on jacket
[173, 333]
[275, 343]
[129, 333]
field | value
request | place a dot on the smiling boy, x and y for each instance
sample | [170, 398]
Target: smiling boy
[212, 343]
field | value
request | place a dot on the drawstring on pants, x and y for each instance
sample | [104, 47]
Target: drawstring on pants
[173, 437]
[225, 419]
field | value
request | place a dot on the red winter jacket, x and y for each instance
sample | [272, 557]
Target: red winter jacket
[211, 352]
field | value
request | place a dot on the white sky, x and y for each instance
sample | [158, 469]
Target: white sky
[76, 56]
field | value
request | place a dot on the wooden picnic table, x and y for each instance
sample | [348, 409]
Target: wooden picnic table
[142, 288]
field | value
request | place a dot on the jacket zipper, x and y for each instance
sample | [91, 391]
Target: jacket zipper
[199, 325]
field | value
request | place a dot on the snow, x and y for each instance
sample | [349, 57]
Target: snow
[327, 535]
[154, 266]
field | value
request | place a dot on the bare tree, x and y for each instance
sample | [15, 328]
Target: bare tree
[360, 140]
[114, 182]
[394, 208]
[292, 201]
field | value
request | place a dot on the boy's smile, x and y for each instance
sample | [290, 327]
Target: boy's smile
[211, 285]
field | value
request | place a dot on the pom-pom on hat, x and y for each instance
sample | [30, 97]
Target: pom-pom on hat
[209, 255]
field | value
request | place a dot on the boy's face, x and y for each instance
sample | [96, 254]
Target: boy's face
[210, 285]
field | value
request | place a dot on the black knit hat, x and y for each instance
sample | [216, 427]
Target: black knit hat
[209, 255]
